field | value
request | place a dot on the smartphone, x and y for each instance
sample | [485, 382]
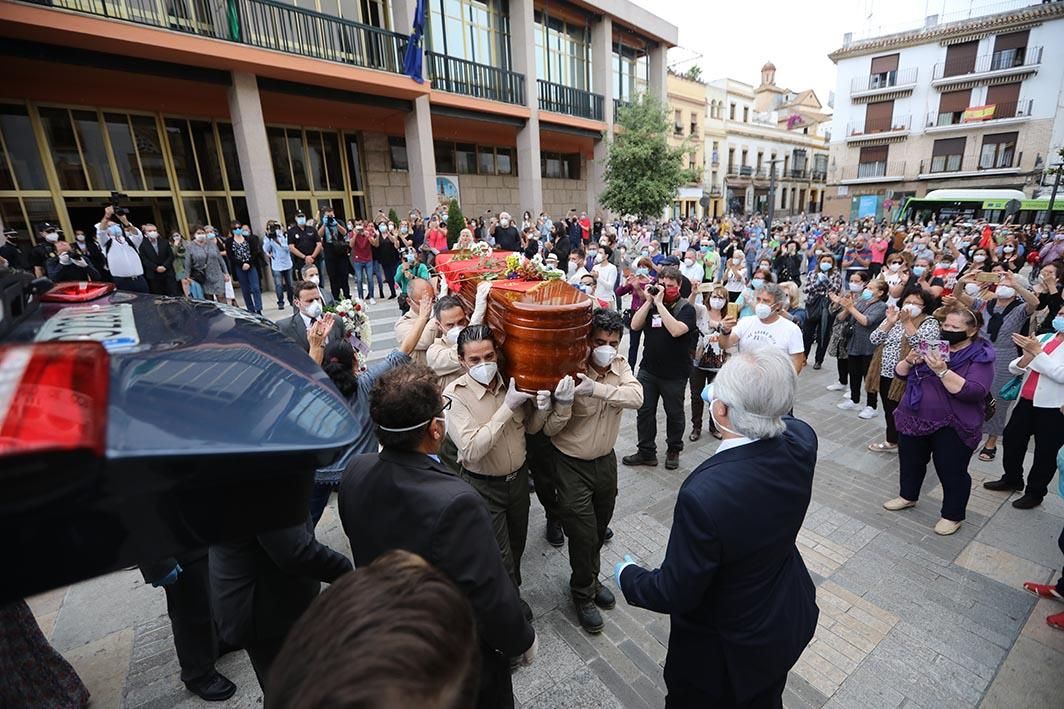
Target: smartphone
[733, 310]
[985, 277]
[941, 348]
[706, 287]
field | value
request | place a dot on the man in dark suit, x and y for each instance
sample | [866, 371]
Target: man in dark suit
[742, 604]
[308, 311]
[158, 260]
[405, 498]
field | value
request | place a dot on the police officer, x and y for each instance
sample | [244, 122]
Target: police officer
[11, 255]
[487, 420]
[305, 245]
[47, 236]
[583, 428]
[333, 235]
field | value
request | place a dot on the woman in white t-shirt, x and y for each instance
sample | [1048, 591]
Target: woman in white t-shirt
[606, 275]
[735, 277]
[710, 311]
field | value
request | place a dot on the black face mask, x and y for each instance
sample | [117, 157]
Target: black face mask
[954, 336]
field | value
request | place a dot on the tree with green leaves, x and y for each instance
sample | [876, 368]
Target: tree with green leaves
[694, 73]
[455, 222]
[393, 216]
[643, 171]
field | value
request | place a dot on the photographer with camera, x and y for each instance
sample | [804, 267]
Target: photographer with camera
[70, 264]
[121, 244]
[44, 250]
[333, 237]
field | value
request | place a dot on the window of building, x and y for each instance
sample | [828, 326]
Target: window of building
[947, 155]
[677, 126]
[1009, 50]
[486, 161]
[504, 162]
[444, 153]
[563, 51]
[465, 159]
[691, 161]
[745, 154]
[960, 58]
[474, 30]
[746, 114]
[760, 159]
[999, 150]
[783, 199]
[397, 153]
[731, 112]
[820, 165]
[694, 123]
[631, 71]
[560, 165]
[884, 72]
[952, 105]
[872, 161]
[731, 159]
[20, 148]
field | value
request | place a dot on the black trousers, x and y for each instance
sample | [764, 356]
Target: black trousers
[262, 653]
[818, 331]
[671, 392]
[161, 283]
[888, 409]
[188, 603]
[692, 698]
[857, 368]
[137, 284]
[699, 378]
[634, 337]
[1047, 427]
[496, 690]
[1060, 581]
[542, 466]
[339, 268]
[951, 456]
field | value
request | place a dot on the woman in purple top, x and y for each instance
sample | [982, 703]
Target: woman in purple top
[941, 414]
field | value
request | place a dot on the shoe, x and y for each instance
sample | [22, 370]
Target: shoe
[1043, 590]
[608, 535]
[531, 485]
[605, 599]
[214, 687]
[372, 301]
[1056, 621]
[1027, 502]
[987, 454]
[946, 527]
[1003, 485]
[817, 365]
[836, 387]
[883, 447]
[637, 459]
[555, 535]
[526, 610]
[589, 617]
[847, 405]
[867, 413]
[280, 306]
[898, 503]
[672, 460]
[696, 433]
[391, 297]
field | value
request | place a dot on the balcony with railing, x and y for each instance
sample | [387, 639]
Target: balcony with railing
[973, 116]
[459, 76]
[877, 129]
[258, 23]
[818, 175]
[994, 158]
[884, 82]
[572, 102]
[1006, 62]
[880, 171]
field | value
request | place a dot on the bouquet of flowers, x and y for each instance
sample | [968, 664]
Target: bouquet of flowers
[534, 269]
[352, 313]
[478, 249]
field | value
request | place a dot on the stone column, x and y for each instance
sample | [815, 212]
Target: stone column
[601, 83]
[523, 53]
[253, 150]
[417, 125]
[658, 67]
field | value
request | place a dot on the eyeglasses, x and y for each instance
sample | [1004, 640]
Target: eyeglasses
[446, 406]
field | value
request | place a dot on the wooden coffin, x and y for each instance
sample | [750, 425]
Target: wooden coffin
[542, 327]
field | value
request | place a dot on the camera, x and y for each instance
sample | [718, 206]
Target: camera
[653, 290]
[116, 200]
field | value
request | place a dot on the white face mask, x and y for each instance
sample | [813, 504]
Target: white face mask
[894, 267]
[504, 223]
[763, 311]
[80, 238]
[856, 287]
[314, 279]
[913, 309]
[199, 238]
[1007, 249]
[979, 258]
[1005, 292]
[603, 355]
[716, 303]
[51, 237]
[484, 372]
[971, 288]
[314, 310]
[737, 259]
[689, 262]
[152, 234]
[452, 335]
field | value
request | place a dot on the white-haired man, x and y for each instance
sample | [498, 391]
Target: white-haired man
[766, 327]
[742, 602]
[507, 236]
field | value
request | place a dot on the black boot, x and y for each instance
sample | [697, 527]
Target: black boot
[214, 687]
[589, 617]
[605, 599]
[555, 535]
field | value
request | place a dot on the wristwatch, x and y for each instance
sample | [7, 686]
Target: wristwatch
[943, 373]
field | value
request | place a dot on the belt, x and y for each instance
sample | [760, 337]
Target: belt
[506, 478]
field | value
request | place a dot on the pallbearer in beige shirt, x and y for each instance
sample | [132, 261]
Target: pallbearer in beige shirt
[487, 420]
[451, 318]
[418, 288]
[583, 427]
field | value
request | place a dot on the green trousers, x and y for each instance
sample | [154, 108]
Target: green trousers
[542, 467]
[449, 453]
[507, 503]
[587, 492]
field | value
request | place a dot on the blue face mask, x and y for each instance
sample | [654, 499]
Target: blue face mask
[756, 283]
[919, 270]
[114, 230]
[1058, 323]
[866, 294]
[825, 267]
[245, 232]
[642, 271]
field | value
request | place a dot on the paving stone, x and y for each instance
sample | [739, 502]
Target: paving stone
[621, 688]
[1030, 677]
[1028, 534]
[90, 612]
[102, 665]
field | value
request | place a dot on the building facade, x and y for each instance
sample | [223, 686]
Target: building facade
[715, 140]
[201, 112]
[969, 104]
[768, 130]
[687, 111]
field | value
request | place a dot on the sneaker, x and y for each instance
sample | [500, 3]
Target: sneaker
[605, 599]
[589, 617]
[638, 459]
[836, 387]
[946, 527]
[847, 405]
[372, 301]
[215, 687]
[898, 503]
[867, 413]
[555, 535]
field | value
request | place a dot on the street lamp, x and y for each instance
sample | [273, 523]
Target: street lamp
[772, 192]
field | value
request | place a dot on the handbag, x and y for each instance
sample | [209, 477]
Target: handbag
[1011, 390]
[199, 275]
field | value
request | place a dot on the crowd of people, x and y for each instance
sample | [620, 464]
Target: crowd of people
[955, 330]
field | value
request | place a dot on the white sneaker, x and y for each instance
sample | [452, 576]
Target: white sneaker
[837, 387]
[847, 405]
[372, 301]
[867, 413]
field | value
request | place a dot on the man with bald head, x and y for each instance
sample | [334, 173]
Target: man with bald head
[416, 290]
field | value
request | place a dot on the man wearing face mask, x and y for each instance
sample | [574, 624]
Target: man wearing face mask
[766, 327]
[11, 255]
[70, 265]
[583, 428]
[417, 289]
[668, 325]
[404, 498]
[451, 319]
[309, 310]
[157, 259]
[507, 236]
[336, 250]
[121, 243]
[488, 421]
[44, 250]
[304, 244]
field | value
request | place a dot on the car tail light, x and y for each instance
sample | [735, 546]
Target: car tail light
[53, 397]
[77, 292]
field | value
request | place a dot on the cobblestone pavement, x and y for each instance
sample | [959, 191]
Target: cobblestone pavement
[907, 618]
